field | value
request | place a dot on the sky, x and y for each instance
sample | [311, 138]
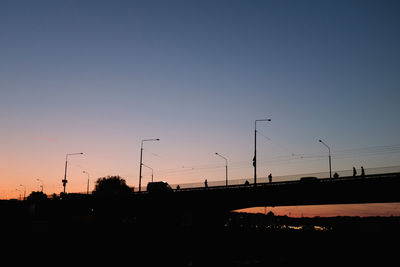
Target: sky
[100, 76]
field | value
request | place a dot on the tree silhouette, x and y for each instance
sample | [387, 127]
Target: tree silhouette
[112, 186]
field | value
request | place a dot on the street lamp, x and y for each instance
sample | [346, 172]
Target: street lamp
[24, 189]
[87, 192]
[150, 169]
[141, 158]
[226, 167]
[66, 164]
[17, 189]
[42, 185]
[255, 149]
[329, 151]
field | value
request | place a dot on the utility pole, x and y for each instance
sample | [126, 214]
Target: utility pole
[65, 181]
[226, 167]
[152, 171]
[329, 151]
[24, 190]
[141, 162]
[87, 190]
[255, 149]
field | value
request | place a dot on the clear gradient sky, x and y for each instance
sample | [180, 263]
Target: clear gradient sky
[99, 76]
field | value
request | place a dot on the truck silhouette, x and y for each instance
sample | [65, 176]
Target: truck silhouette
[158, 187]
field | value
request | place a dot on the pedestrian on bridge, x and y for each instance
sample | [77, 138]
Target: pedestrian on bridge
[354, 172]
[270, 177]
[362, 171]
[206, 184]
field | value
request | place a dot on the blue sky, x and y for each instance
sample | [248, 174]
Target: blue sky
[100, 76]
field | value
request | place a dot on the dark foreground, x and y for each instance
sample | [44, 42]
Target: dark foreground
[157, 239]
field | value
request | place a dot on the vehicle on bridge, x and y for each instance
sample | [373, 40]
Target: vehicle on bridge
[308, 179]
[158, 187]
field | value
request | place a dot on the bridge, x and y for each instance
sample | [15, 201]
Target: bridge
[377, 188]
[203, 205]
[195, 208]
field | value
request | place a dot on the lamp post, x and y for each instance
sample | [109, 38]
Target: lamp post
[151, 171]
[24, 189]
[226, 167]
[17, 189]
[87, 190]
[141, 158]
[255, 149]
[329, 151]
[42, 185]
[66, 166]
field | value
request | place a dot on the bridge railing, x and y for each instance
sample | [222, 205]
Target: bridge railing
[279, 183]
[234, 183]
[286, 178]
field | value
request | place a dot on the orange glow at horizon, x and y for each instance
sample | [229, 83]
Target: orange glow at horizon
[29, 165]
[362, 210]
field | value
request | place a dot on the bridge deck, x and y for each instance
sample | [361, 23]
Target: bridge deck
[377, 188]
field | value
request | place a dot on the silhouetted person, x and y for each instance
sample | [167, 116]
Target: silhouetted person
[206, 183]
[354, 172]
[178, 187]
[246, 183]
[270, 177]
[336, 175]
[362, 171]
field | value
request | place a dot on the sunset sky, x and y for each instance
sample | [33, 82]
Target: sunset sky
[100, 76]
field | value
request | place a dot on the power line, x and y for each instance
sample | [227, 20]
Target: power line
[290, 158]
